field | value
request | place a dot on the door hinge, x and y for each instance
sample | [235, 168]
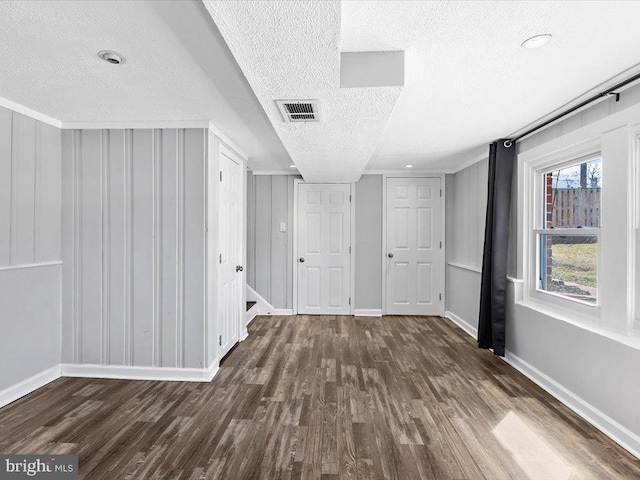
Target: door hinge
[349, 198]
[349, 300]
[440, 296]
[349, 249]
[441, 244]
[220, 175]
[220, 258]
[220, 341]
[441, 192]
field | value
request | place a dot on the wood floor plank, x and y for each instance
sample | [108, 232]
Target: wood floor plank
[311, 397]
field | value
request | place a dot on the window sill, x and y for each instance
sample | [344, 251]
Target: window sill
[591, 324]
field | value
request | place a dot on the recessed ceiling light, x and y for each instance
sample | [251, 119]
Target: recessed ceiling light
[408, 166]
[111, 57]
[292, 166]
[536, 41]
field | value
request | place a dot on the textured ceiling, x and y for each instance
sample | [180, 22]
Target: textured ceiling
[467, 79]
[177, 68]
[290, 50]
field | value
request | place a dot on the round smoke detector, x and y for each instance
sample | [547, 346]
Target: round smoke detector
[111, 57]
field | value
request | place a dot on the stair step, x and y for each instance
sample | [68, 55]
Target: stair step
[250, 305]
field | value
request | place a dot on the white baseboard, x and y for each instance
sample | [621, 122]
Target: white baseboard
[367, 312]
[213, 369]
[607, 425]
[244, 334]
[467, 327]
[14, 392]
[125, 372]
[251, 314]
[617, 432]
[281, 311]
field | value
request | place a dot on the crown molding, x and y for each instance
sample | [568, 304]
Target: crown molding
[29, 112]
[135, 124]
[225, 139]
[410, 172]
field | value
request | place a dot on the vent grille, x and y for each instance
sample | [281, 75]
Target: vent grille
[299, 110]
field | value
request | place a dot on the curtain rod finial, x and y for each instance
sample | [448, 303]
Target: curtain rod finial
[507, 143]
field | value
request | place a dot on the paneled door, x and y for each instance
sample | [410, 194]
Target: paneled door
[414, 256]
[230, 286]
[323, 249]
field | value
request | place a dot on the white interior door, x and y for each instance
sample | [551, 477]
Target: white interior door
[323, 249]
[415, 259]
[230, 308]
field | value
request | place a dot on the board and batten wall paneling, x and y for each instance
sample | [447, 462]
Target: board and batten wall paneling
[251, 230]
[269, 251]
[133, 249]
[368, 243]
[30, 185]
[194, 253]
[30, 236]
[280, 242]
[466, 209]
[271, 259]
[5, 185]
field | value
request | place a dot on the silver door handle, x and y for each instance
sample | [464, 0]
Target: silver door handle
[390, 255]
[301, 259]
[239, 268]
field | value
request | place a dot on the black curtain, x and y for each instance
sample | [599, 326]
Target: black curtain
[491, 324]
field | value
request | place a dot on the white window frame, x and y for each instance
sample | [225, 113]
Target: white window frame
[533, 201]
[634, 237]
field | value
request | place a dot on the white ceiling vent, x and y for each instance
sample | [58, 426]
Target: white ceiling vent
[299, 110]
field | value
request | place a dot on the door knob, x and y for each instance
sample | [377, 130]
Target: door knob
[301, 259]
[390, 255]
[239, 268]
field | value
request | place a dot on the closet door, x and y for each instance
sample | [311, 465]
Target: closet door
[230, 308]
[414, 256]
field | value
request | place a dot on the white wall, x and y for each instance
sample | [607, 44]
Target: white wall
[134, 247]
[30, 322]
[30, 275]
[368, 243]
[591, 368]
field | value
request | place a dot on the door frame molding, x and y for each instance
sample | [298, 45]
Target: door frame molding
[352, 223]
[442, 178]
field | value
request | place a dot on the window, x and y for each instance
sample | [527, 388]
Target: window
[568, 233]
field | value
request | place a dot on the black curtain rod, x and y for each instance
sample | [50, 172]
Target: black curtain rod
[610, 91]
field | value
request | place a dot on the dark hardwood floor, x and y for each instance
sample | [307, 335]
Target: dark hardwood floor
[322, 398]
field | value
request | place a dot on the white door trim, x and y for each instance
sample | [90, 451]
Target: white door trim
[296, 184]
[352, 249]
[384, 235]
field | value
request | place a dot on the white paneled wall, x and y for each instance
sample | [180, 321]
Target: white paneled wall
[134, 247]
[29, 190]
[30, 276]
[269, 250]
